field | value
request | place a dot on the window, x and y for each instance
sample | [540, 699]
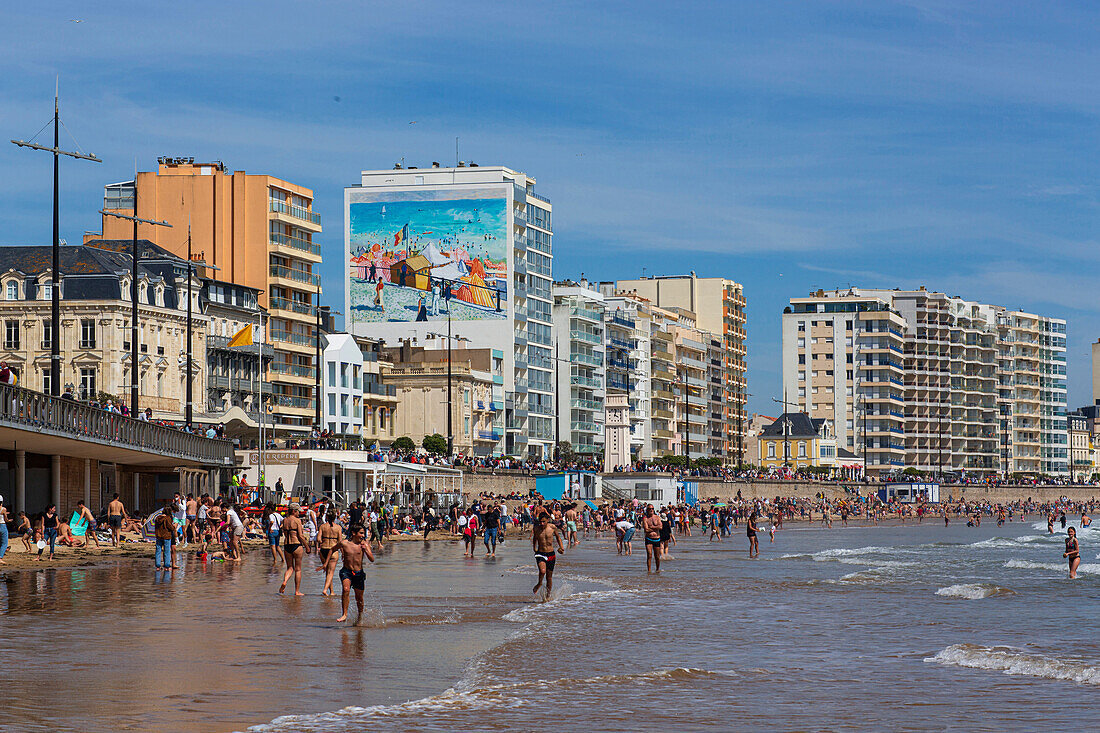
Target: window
[466, 397]
[771, 450]
[87, 333]
[801, 342]
[381, 418]
[47, 334]
[801, 358]
[801, 391]
[88, 383]
[332, 376]
[465, 426]
[11, 334]
[47, 291]
[801, 326]
[344, 376]
[12, 291]
[344, 406]
[848, 373]
[801, 449]
[332, 404]
[46, 383]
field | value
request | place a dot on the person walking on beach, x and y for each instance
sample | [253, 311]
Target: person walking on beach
[750, 531]
[571, 524]
[82, 512]
[352, 575]
[164, 530]
[49, 527]
[116, 513]
[543, 536]
[1073, 552]
[235, 528]
[651, 526]
[491, 522]
[330, 537]
[297, 545]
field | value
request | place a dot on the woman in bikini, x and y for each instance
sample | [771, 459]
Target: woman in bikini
[297, 545]
[1073, 552]
[329, 538]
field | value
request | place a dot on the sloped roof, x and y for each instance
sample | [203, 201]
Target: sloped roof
[801, 426]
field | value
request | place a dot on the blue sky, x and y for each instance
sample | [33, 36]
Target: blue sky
[787, 145]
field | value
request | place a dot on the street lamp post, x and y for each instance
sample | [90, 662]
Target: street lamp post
[450, 397]
[55, 273]
[134, 297]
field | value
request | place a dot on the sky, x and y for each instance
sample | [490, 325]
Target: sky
[787, 145]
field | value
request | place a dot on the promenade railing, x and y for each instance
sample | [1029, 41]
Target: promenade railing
[29, 410]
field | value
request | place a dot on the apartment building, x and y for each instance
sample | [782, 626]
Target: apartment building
[260, 231]
[718, 305]
[357, 406]
[579, 329]
[1032, 352]
[234, 372]
[420, 376]
[918, 378]
[638, 311]
[464, 251]
[96, 326]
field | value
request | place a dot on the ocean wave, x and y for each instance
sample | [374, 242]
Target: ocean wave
[848, 551]
[973, 591]
[1086, 568]
[1014, 662]
[473, 698]
[1006, 541]
[563, 598]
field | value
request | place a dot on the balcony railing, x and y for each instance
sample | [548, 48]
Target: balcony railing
[286, 304]
[281, 207]
[37, 412]
[294, 370]
[292, 338]
[301, 276]
[296, 242]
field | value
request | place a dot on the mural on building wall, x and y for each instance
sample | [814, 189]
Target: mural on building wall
[415, 257]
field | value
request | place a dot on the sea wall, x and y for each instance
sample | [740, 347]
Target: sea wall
[506, 482]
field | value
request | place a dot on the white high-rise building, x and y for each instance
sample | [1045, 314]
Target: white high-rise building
[579, 330]
[464, 251]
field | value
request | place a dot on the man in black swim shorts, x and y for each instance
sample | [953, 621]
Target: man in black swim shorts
[543, 536]
[354, 548]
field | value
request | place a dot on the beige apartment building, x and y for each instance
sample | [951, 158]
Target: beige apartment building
[260, 232]
[419, 376]
[718, 305]
[925, 380]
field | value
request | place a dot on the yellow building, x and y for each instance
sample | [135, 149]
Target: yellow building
[258, 230]
[796, 441]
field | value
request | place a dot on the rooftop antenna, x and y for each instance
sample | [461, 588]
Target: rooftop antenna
[55, 271]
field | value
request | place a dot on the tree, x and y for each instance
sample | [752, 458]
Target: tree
[435, 443]
[404, 444]
[564, 451]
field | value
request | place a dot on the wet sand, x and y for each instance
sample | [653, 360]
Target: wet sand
[929, 623]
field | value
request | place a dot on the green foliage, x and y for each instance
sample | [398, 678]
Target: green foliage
[404, 444]
[435, 444]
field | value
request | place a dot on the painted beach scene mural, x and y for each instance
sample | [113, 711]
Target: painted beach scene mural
[414, 257]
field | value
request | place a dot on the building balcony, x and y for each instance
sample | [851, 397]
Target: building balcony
[294, 277]
[291, 306]
[295, 215]
[295, 246]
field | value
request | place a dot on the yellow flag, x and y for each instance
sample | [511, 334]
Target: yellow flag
[242, 337]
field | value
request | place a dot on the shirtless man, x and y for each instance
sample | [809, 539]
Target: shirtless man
[82, 512]
[543, 536]
[116, 512]
[651, 525]
[191, 530]
[354, 549]
[571, 524]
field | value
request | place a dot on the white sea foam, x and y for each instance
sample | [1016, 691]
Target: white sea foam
[1006, 541]
[848, 551]
[973, 591]
[1084, 568]
[474, 697]
[1015, 662]
[562, 599]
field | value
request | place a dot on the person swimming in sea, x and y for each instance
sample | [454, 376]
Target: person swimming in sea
[1073, 551]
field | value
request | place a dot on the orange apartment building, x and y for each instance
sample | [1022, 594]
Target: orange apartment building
[259, 230]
